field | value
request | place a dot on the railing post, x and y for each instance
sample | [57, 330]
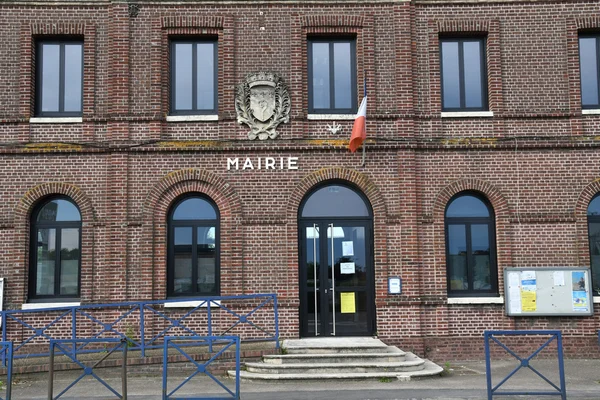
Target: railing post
[142, 330]
[209, 320]
[9, 349]
[276, 321]
[561, 367]
[51, 372]
[74, 329]
[488, 365]
[124, 371]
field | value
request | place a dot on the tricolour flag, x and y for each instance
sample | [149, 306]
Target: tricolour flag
[359, 132]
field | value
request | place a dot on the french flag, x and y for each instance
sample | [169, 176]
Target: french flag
[359, 132]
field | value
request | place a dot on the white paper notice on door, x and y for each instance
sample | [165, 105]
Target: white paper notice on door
[348, 248]
[347, 268]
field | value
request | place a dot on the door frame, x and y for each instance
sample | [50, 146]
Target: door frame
[303, 223]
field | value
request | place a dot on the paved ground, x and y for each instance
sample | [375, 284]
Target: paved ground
[465, 380]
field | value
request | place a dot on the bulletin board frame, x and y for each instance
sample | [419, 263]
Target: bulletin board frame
[548, 291]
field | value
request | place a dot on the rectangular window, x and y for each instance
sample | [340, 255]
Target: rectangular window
[589, 65]
[464, 75]
[193, 77]
[59, 74]
[332, 76]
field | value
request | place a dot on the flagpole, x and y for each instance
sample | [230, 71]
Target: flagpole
[364, 145]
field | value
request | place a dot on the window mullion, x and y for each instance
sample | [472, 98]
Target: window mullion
[461, 74]
[195, 259]
[469, 257]
[61, 79]
[331, 77]
[194, 77]
[57, 266]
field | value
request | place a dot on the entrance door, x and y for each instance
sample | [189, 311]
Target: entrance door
[336, 276]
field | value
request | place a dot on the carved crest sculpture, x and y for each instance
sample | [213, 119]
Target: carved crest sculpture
[262, 102]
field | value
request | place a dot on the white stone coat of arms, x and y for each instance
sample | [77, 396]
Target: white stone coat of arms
[262, 102]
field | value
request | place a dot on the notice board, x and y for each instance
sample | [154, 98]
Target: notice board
[549, 291]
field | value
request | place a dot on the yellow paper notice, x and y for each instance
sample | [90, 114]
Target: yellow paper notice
[348, 304]
[528, 301]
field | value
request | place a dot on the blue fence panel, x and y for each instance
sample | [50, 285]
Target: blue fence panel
[155, 321]
[6, 349]
[525, 363]
[60, 345]
[201, 368]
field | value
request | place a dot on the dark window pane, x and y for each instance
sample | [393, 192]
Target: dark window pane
[73, 77]
[207, 283]
[183, 260]
[320, 78]
[472, 74]
[588, 64]
[467, 206]
[69, 261]
[50, 77]
[194, 208]
[183, 76]
[594, 233]
[342, 73]
[480, 247]
[450, 75]
[594, 207]
[457, 257]
[46, 260]
[59, 210]
[205, 53]
[335, 201]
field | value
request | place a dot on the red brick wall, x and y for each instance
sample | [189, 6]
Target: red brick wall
[536, 159]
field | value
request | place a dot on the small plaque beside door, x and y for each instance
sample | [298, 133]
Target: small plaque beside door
[394, 285]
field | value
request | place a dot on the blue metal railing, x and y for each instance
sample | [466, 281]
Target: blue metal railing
[201, 368]
[525, 363]
[7, 357]
[62, 346]
[144, 324]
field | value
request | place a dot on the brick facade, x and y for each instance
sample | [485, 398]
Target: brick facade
[536, 159]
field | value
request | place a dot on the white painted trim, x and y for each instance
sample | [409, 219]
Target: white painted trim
[476, 300]
[192, 118]
[331, 117]
[596, 299]
[191, 304]
[57, 120]
[591, 112]
[41, 306]
[467, 114]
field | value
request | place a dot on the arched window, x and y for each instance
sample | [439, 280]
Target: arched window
[55, 250]
[470, 246]
[593, 214]
[193, 259]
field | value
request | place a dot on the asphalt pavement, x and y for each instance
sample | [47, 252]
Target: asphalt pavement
[462, 380]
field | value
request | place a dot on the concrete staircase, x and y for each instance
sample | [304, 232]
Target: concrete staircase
[338, 358]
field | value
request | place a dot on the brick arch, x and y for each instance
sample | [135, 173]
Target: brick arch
[502, 215]
[580, 214]
[34, 195]
[155, 213]
[495, 197]
[361, 181]
[18, 276]
[378, 205]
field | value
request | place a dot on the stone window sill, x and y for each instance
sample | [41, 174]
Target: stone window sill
[596, 299]
[192, 118]
[467, 114]
[190, 304]
[56, 120]
[591, 112]
[331, 117]
[41, 306]
[476, 300]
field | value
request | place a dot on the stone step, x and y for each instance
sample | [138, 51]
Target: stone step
[394, 355]
[334, 345]
[430, 369]
[331, 368]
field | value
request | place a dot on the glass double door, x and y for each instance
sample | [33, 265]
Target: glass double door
[336, 279]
